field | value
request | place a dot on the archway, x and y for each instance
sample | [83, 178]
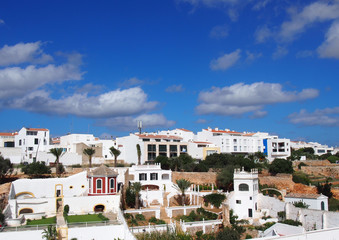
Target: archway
[150, 187]
[25, 210]
[99, 208]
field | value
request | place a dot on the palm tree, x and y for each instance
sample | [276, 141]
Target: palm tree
[136, 188]
[182, 185]
[89, 152]
[50, 233]
[57, 152]
[139, 154]
[115, 152]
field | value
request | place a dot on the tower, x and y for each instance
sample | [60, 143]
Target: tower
[245, 196]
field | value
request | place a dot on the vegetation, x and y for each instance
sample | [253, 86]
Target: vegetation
[182, 185]
[325, 189]
[333, 204]
[137, 188]
[57, 152]
[66, 210]
[199, 215]
[115, 152]
[236, 224]
[140, 217]
[36, 168]
[333, 159]
[228, 233]
[280, 166]
[156, 221]
[291, 222]
[301, 204]
[43, 221]
[169, 235]
[225, 178]
[86, 218]
[50, 233]
[130, 197]
[300, 177]
[89, 152]
[6, 167]
[307, 152]
[301, 164]
[139, 154]
[215, 199]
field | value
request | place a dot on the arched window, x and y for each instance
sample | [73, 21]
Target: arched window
[243, 187]
[99, 183]
[25, 210]
[111, 183]
[322, 205]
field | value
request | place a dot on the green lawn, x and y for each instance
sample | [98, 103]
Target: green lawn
[43, 221]
[86, 218]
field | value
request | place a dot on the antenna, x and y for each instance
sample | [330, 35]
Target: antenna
[139, 126]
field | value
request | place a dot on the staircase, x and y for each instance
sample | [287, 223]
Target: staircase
[163, 214]
[61, 223]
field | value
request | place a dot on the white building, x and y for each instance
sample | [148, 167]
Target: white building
[314, 201]
[7, 139]
[319, 149]
[281, 229]
[31, 141]
[244, 199]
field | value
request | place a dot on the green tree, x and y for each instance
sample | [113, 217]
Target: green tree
[225, 178]
[89, 152]
[228, 233]
[36, 168]
[6, 167]
[301, 204]
[164, 161]
[57, 152]
[325, 189]
[280, 166]
[215, 199]
[300, 177]
[182, 185]
[136, 186]
[115, 152]
[50, 233]
[139, 154]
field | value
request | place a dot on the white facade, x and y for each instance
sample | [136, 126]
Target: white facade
[7, 139]
[314, 201]
[319, 149]
[244, 199]
[31, 141]
[277, 148]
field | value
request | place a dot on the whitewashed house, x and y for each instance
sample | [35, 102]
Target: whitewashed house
[314, 201]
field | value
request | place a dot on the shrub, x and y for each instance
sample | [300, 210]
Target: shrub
[36, 168]
[248, 236]
[300, 204]
[291, 222]
[282, 215]
[325, 189]
[301, 165]
[133, 222]
[130, 197]
[300, 177]
[140, 217]
[128, 215]
[333, 159]
[215, 199]
[280, 166]
[228, 233]
[66, 210]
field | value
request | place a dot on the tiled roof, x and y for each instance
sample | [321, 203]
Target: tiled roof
[223, 131]
[102, 171]
[303, 195]
[183, 129]
[8, 134]
[158, 136]
[37, 129]
[202, 142]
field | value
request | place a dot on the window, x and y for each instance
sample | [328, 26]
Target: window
[322, 205]
[157, 140]
[154, 176]
[36, 140]
[82, 186]
[235, 148]
[31, 133]
[243, 187]
[145, 139]
[20, 142]
[70, 187]
[162, 148]
[142, 177]
[250, 213]
[234, 140]
[99, 184]
[30, 149]
[173, 148]
[151, 148]
[151, 156]
[250, 198]
[238, 201]
[111, 183]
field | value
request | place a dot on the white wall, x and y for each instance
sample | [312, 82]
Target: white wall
[110, 232]
[14, 154]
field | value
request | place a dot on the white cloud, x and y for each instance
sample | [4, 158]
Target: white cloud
[262, 34]
[17, 81]
[315, 12]
[320, 117]
[23, 52]
[304, 54]
[260, 4]
[149, 121]
[219, 32]
[258, 114]
[226, 61]
[251, 56]
[279, 52]
[175, 88]
[2, 21]
[132, 82]
[330, 47]
[241, 98]
[201, 121]
[111, 104]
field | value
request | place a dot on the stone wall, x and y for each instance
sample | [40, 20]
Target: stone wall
[196, 177]
[328, 171]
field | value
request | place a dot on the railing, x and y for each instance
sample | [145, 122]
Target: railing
[27, 227]
[151, 228]
[92, 224]
[184, 225]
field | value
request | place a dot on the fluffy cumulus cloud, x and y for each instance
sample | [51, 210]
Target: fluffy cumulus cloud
[110, 104]
[175, 88]
[330, 48]
[129, 123]
[226, 61]
[243, 98]
[23, 52]
[321, 117]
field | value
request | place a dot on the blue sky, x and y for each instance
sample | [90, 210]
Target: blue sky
[98, 67]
